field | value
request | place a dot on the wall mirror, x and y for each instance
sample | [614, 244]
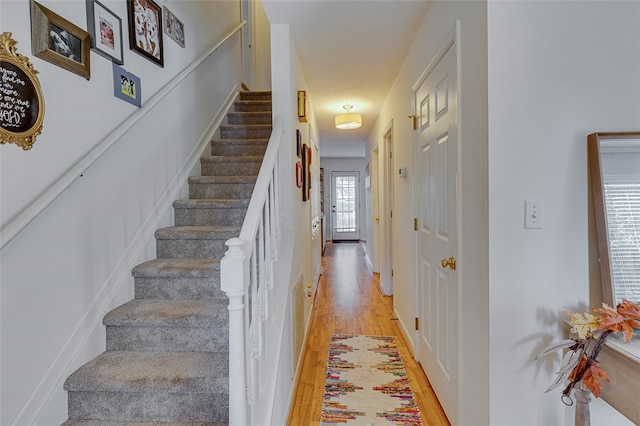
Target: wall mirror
[614, 163]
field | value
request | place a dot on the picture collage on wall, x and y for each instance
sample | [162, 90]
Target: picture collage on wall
[57, 40]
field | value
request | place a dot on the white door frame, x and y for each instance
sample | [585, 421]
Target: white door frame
[386, 212]
[347, 236]
[451, 42]
[375, 207]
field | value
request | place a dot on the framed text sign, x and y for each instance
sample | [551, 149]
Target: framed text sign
[21, 101]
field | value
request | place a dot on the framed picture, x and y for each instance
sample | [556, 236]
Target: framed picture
[145, 29]
[302, 106]
[22, 103]
[173, 27]
[58, 41]
[299, 143]
[305, 174]
[126, 86]
[298, 174]
[105, 28]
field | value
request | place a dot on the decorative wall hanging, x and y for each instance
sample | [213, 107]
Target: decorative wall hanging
[105, 28]
[306, 175]
[145, 29]
[22, 103]
[298, 143]
[173, 27]
[126, 86]
[298, 174]
[60, 42]
[302, 106]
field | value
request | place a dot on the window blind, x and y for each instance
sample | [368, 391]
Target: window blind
[623, 225]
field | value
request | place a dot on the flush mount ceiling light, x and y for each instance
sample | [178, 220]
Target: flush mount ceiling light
[349, 120]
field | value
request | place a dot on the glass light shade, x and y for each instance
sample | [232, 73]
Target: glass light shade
[348, 121]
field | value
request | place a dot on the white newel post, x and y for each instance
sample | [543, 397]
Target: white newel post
[234, 278]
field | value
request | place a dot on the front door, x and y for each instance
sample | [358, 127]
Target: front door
[436, 168]
[345, 205]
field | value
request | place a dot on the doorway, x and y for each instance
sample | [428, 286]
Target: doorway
[435, 103]
[345, 206]
[386, 200]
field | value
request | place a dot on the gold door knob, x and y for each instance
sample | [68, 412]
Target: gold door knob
[450, 262]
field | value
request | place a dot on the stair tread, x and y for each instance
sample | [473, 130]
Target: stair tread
[128, 371]
[232, 158]
[222, 179]
[247, 141]
[251, 113]
[205, 203]
[168, 313]
[176, 268]
[125, 423]
[248, 125]
[198, 232]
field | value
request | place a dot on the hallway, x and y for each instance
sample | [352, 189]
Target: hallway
[349, 301]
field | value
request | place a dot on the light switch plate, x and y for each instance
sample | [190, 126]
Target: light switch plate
[533, 214]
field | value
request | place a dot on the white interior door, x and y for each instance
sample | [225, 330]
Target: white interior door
[436, 168]
[345, 205]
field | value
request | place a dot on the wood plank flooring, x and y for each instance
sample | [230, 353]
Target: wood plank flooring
[349, 301]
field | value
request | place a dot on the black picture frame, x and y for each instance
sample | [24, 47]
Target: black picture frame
[145, 30]
[105, 28]
[298, 143]
[305, 173]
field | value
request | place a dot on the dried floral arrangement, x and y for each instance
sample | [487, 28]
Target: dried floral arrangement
[579, 362]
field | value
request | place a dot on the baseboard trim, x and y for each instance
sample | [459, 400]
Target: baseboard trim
[69, 357]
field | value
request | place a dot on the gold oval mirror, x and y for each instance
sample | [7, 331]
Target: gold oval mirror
[614, 163]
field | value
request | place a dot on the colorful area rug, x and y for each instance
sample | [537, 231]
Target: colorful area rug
[367, 384]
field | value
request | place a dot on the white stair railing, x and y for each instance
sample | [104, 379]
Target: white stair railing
[246, 273]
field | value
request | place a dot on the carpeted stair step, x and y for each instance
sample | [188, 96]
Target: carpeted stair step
[178, 279]
[238, 147]
[252, 106]
[221, 187]
[157, 325]
[241, 165]
[244, 131]
[151, 387]
[108, 423]
[193, 242]
[250, 117]
[210, 212]
[256, 95]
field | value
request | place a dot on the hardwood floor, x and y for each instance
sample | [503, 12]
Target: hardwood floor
[349, 301]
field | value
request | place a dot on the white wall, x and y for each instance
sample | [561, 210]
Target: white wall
[473, 272]
[558, 71]
[261, 48]
[72, 264]
[287, 79]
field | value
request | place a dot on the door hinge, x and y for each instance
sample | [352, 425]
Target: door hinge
[417, 324]
[415, 223]
[391, 155]
[414, 121]
[392, 272]
[391, 213]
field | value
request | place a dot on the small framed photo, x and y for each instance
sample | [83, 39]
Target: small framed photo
[105, 28]
[126, 86]
[58, 41]
[173, 27]
[145, 29]
[299, 143]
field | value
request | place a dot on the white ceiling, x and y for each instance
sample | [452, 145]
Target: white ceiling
[351, 52]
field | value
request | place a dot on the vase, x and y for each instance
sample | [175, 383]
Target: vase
[583, 398]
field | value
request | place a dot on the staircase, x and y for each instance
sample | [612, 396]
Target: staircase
[167, 356]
